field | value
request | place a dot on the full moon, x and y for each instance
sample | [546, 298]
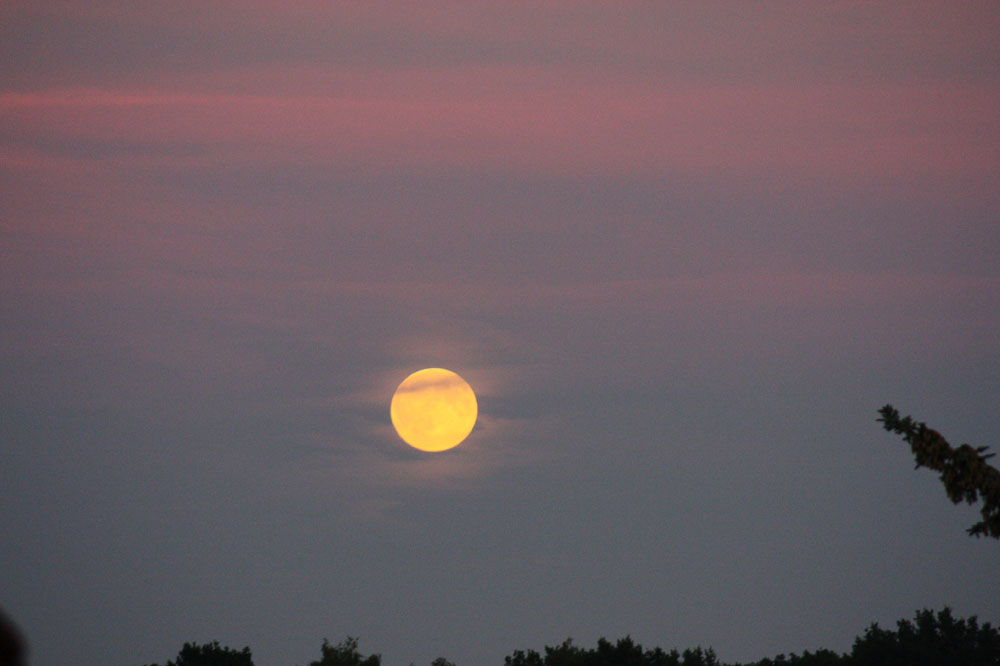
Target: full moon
[433, 410]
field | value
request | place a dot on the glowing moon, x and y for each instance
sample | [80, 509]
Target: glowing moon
[433, 409]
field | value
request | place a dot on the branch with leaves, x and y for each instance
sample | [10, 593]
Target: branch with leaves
[964, 471]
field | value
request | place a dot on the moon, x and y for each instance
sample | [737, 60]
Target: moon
[433, 410]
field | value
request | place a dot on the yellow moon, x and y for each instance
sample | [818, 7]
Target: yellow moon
[433, 410]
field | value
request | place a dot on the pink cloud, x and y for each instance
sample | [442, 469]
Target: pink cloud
[511, 122]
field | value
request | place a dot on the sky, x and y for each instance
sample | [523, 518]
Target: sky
[682, 252]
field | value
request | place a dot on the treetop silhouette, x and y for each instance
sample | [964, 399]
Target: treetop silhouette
[930, 639]
[345, 653]
[964, 471]
[211, 654]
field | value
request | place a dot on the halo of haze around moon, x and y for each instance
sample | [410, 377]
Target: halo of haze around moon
[433, 410]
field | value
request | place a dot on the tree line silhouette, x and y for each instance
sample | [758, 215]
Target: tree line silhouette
[930, 639]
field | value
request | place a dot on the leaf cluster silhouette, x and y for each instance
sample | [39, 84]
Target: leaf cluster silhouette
[345, 653]
[964, 471]
[930, 639]
[210, 654]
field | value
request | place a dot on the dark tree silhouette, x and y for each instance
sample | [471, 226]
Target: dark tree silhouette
[211, 654]
[345, 653]
[624, 652]
[522, 658]
[807, 658]
[964, 471]
[930, 640]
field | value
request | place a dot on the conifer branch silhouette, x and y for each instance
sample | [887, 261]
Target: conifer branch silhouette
[964, 471]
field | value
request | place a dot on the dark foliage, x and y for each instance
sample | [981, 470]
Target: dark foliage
[211, 654]
[807, 658]
[624, 652]
[930, 640]
[345, 653]
[964, 471]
